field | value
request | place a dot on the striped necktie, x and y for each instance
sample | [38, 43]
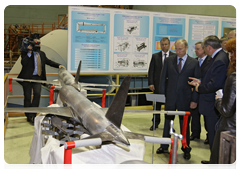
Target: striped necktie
[39, 70]
[180, 65]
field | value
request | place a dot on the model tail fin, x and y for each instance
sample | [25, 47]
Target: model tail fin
[116, 109]
[77, 76]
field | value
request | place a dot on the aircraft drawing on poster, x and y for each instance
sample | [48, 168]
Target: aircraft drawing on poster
[140, 45]
[122, 44]
[132, 27]
[122, 61]
[140, 61]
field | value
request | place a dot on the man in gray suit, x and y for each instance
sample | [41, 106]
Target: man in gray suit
[154, 73]
[179, 94]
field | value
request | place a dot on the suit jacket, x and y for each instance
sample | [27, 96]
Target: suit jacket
[154, 71]
[178, 92]
[28, 65]
[212, 80]
[204, 64]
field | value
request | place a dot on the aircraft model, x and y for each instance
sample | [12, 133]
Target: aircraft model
[78, 107]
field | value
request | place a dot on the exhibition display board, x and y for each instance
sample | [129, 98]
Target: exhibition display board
[120, 41]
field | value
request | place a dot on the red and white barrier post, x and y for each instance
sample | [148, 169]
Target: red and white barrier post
[78, 143]
[103, 98]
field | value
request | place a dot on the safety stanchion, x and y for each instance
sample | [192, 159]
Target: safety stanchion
[68, 152]
[51, 95]
[184, 129]
[103, 98]
[170, 156]
[68, 146]
[10, 85]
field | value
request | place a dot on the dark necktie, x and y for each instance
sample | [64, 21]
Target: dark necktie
[180, 65]
[165, 55]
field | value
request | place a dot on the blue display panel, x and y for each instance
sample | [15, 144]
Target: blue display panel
[118, 40]
[130, 41]
[199, 28]
[167, 25]
[90, 40]
[228, 24]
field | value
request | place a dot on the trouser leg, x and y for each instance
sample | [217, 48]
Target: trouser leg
[27, 92]
[195, 122]
[211, 122]
[157, 116]
[37, 87]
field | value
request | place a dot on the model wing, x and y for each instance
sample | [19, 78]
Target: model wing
[94, 85]
[60, 111]
[53, 83]
[133, 111]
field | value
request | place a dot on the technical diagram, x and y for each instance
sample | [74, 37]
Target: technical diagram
[91, 27]
[123, 63]
[122, 47]
[131, 29]
[139, 63]
[141, 46]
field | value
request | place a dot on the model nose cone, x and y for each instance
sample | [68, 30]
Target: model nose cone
[118, 135]
[122, 139]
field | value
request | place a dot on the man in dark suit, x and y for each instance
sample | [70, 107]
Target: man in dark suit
[33, 67]
[154, 73]
[203, 60]
[212, 80]
[179, 94]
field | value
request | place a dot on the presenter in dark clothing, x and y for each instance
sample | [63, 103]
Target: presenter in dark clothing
[227, 104]
[33, 67]
[154, 73]
[179, 94]
[203, 60]
[212, 80]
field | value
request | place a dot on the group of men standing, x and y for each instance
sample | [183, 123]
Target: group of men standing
[171, 74]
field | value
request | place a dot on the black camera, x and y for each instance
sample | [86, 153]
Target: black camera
[29, 41]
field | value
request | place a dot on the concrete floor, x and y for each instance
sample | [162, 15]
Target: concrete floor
[19, 135]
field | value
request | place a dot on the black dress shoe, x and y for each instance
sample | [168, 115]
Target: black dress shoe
[187, 155]
[29, 119]
[151, 128]
[206, 141]
[205, 162]
[194, 137]
[32, 120]
[161, 150]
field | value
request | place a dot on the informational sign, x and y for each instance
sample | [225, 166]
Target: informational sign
[89, 39]
[167, 25]
[228, 24]
[199, 28]
[118, 40]
[130, 41]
